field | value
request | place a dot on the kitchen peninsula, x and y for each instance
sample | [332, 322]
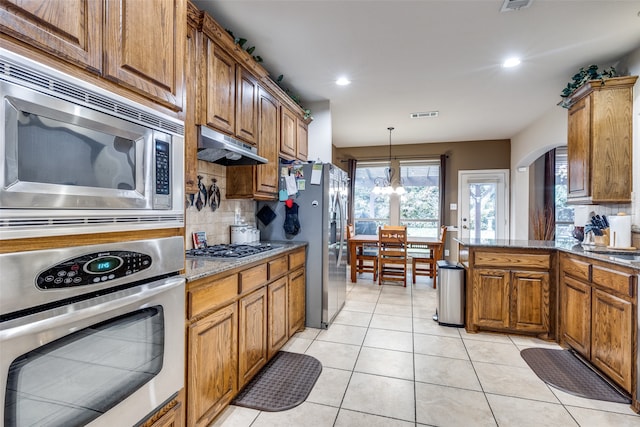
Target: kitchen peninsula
[582, 299]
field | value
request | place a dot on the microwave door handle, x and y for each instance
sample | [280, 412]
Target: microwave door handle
[77, 313]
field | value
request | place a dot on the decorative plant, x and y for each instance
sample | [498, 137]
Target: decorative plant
[583, 76]
[296, 98]
[241, 42]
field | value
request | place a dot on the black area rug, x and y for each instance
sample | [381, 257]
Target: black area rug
[565, 371]
[284, 382]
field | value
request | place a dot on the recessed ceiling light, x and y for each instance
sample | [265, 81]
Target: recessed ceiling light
[343, 81]
[511, 62]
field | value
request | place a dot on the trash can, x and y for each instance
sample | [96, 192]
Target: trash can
[450, 307]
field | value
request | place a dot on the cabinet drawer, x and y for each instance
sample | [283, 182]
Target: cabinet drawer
[296, 259]
[614, 280]
[511, 260]
[576, 268]
[211, 295]
[253, 278]
[277, 267]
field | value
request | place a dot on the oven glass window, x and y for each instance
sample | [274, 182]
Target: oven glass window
[55, 152]
[75, 379]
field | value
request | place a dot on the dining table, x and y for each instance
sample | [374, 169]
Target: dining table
[431, 243]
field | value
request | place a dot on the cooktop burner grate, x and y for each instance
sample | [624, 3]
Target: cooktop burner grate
[228, 251]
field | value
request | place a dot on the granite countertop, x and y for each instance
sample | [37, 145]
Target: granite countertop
[197, 268]
[619, 257]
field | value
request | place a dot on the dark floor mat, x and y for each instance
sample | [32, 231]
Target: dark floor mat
[284, 382]
[565, 371]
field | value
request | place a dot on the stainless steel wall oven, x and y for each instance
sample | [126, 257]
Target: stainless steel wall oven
[79, 159]
[91, 335]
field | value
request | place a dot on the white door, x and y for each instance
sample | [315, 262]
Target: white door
[483, 200]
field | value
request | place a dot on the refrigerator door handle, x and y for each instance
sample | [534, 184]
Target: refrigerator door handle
[341, 229]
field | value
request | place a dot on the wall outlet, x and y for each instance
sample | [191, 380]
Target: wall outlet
[453, 207]
[446, 252]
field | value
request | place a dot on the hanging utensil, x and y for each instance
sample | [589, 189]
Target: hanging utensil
[199, 202]
[213, 201]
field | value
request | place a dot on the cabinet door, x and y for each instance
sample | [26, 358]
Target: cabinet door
[491, 298]
[71, 29]
[246, 107]
[302, 141]
[579, 149]
[212, 365]
[144, 47]
[612, 337]
[218, 88]
[267, 175]
[278, 331]
[530, 301]
[171, 418]
[190, 136]
[252, 337]
[288, 133]
[575, 314]
[296, 301]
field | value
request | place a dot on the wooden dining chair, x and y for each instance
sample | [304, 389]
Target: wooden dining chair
[424, 261]
[366, 256]
[392, 254]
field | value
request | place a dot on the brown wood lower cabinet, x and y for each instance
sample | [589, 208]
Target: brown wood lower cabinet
[278, 297]
[252, 335]
[511, 292]
[171, 415]
[296, 301]
[596, 315]
[212, 379]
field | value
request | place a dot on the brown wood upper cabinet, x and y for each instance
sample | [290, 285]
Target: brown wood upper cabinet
[293, 137]
[599, 142]
[138, 48]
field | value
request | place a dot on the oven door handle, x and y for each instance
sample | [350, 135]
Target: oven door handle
[88, 312]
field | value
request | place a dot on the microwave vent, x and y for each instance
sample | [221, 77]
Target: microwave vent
[21, 74]
[424, 115]
[10, 223]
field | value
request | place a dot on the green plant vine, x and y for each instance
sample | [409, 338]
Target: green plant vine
[584, 75]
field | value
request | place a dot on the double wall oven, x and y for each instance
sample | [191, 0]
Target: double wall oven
[90, 333]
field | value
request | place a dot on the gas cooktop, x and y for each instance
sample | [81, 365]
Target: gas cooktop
[233, 251]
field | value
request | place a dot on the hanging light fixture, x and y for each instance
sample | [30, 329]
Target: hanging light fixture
[385, 185]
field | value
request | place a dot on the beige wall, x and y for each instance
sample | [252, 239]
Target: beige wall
[471, 155]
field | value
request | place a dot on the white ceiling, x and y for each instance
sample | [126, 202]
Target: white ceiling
[416, 56]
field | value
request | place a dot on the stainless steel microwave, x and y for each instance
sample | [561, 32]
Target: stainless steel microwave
[78, 159]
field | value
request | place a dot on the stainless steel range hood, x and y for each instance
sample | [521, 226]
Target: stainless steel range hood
[216, 147]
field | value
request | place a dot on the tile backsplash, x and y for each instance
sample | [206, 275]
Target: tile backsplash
[216, 223]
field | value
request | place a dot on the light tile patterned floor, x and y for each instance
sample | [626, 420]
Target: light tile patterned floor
[386, 363]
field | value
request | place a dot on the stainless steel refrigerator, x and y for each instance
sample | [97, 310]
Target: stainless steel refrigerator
[322, 213]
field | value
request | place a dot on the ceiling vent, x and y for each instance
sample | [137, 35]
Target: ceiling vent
[510, 5]
[424, 115]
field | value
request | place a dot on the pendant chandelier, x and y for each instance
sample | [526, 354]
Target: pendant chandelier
[385, 185]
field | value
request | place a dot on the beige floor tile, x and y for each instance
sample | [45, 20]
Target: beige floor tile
[297, 345]
[513, 381]
[485, 336]
[451, 407]
[390, 363]
[424, 311]
[330, 387]
[348, 418]
[236, 416]
[515, 412]
[353, 318]
[388, 397]
[343, 334]
[305, 415]
[439, 346]
[391, 340]
[431, 327]
[396, 299]
[568, 399]
[394, 323]
[364, 296]
[494, 352]
[393, 310]
[396, 290]
[366, 307]
[445, 371]
[593, 418]
[528, 342]
[334, 355]
[308, 333]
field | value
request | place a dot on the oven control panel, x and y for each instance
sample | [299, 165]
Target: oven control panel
[95, 268]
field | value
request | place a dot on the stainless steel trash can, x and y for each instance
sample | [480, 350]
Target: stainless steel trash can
[450, 309]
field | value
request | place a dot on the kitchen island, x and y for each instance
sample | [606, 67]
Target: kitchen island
[239, 313]
[583, 299]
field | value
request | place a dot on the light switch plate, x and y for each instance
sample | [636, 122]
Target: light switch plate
[453, 207]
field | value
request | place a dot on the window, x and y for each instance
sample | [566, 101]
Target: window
[564, 213]
[418, 208]
[420, 205]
